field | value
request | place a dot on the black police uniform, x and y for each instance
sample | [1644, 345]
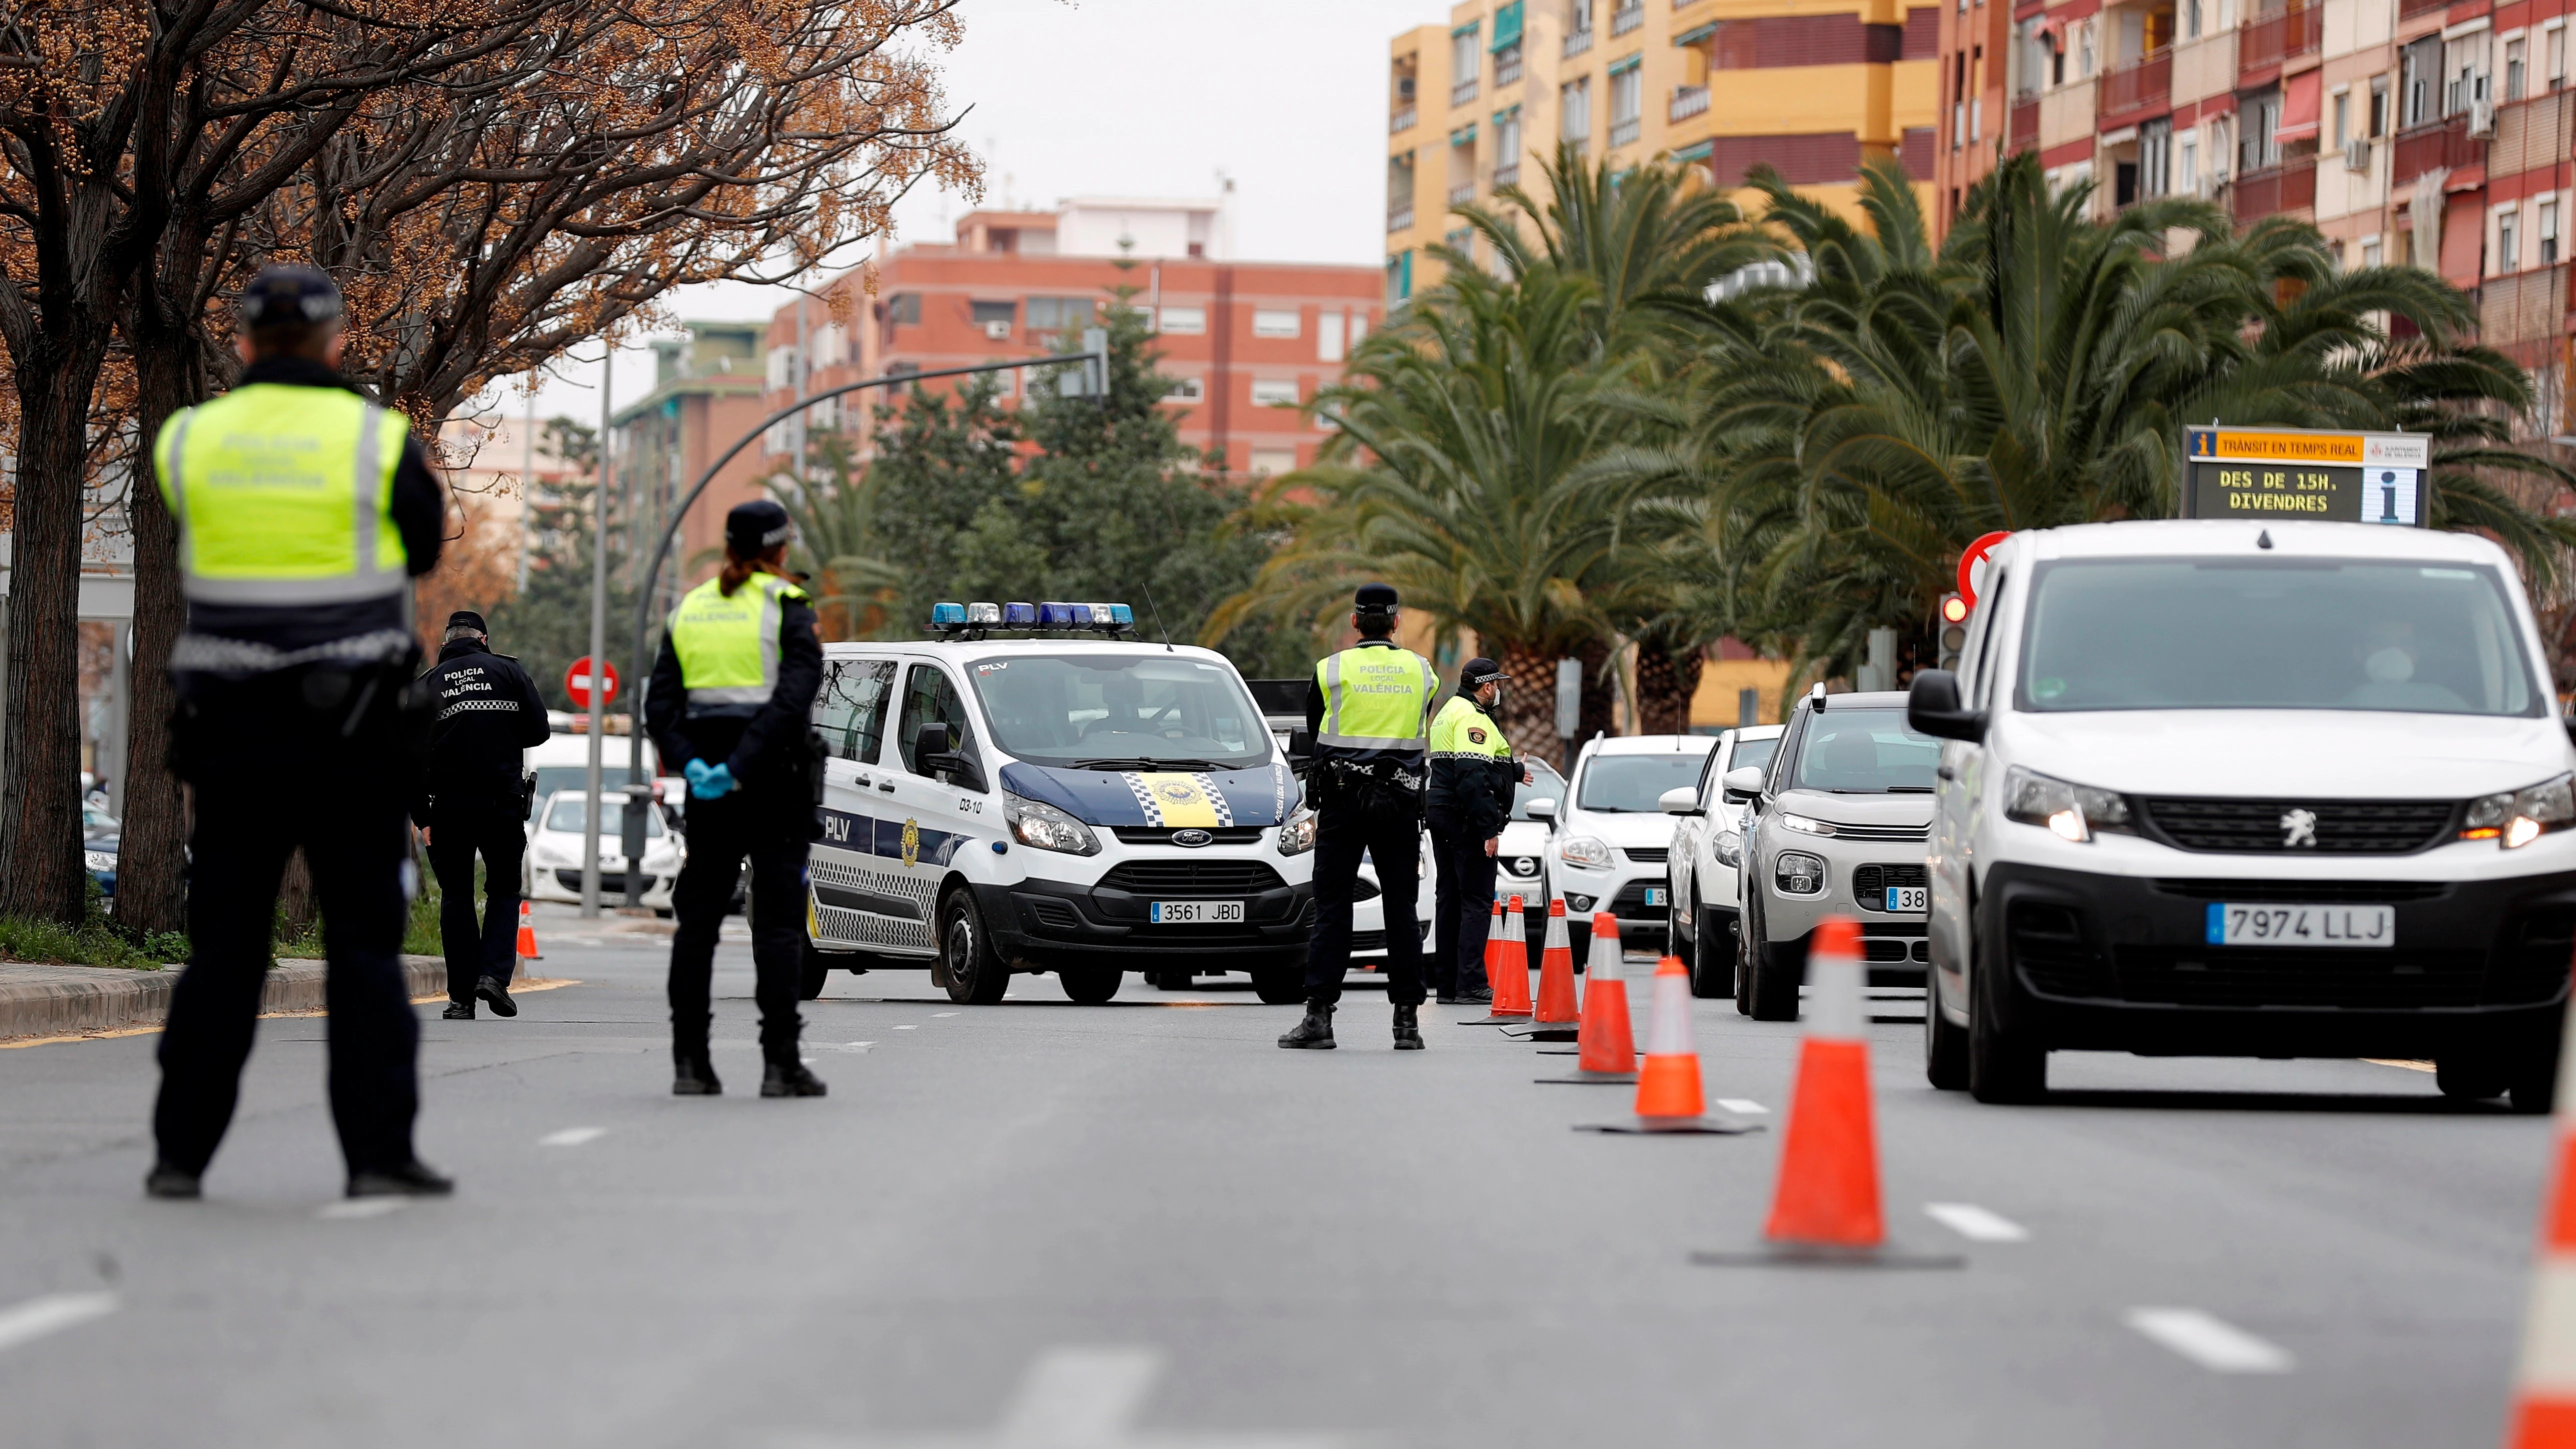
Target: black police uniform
[1469, 802]
[489, 714]
[771, 819]
[295, 729]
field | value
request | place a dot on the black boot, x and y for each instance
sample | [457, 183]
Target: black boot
[496, 993]
[413, 1179]
[1315, 1033]
[692, 1075]
[1408, 1029]
[790, 1079]
[458, 1011]
[165, 1181]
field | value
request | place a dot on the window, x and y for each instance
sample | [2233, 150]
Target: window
[2549, 232]
[2187, 165]
[1274, 392]
[2418, 65]
[2191, 19]
[1271, 462]
[782, 369]
[1631, 784]
[2084, 50]
[903, 309]
[2378, 106]
[1507, 147]
[1507, 65]
[928, 698]
[1399, 279]
[987, 313]
[1578, 17]
[1359, 325]
[1328, 337]
[850, 710]
[2370, 251]
[2260, 146]
[1059, 314]
[1627, 103]
[2057, 64]
[570, 814]
[2513, 66]
[1464, 62]
[2342, 118]
[2155, 153]
[2557, 52]
[1184, 321]
[2508, 242]
[1186, 389]
[1575, 107]
[1278, 322]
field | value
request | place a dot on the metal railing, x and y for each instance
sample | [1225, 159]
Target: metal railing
[1507, 69]
[1689, 101]
[1463, 192]
[2135, 86]
[1507, 174]
[1623, 132]
[1400, 219]
[2025, 125]
[2442, 143]
[1578, 41]
[1629, 18]
[2271, 39]
[2274, 189]
[1402, 120]
[1463, 92]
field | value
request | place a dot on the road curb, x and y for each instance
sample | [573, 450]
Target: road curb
[45, 1000]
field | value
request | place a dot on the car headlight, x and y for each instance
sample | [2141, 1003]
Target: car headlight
[1730, 848]
[1797, 873]
[1588, 850]
[2517, 818]
[98, 860]
[1298, 835]
[1806, 825]
[1041, 826]
[2071, 812]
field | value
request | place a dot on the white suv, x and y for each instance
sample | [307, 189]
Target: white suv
[1708, 846]
[2246, 788]
[1609, 837]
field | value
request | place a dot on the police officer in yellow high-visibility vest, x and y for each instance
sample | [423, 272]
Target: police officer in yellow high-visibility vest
[304, 509]
[729, 699]
[1474, 780]
[1368, 712]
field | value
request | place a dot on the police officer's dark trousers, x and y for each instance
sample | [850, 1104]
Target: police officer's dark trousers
[722, 832]
[464, 830]
[1462, 907]
[273, 772]
[1393, 841]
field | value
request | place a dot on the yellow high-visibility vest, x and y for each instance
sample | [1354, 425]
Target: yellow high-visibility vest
[284, 495]
[1377, 702]
[1458, 729]
[728, 647]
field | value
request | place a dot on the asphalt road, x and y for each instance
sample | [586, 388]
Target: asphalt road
[1141, 1224]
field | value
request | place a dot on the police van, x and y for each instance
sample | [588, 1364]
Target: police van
[1036, 789]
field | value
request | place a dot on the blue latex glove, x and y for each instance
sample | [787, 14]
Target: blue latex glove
[715, 784]
[697, 772]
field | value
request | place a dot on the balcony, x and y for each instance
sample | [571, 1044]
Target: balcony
[2445, 144]
[2134, 91]
[2025, 125]
[1507, 174]
[1462, 193]
[1463, 92]
[1402, 121]
[2271, 39]
[1627, 17]
[2409, 9]
[1399, 218]
[1623, 132]
[2274, 189]
[1507, 67]
[1578, 41]
[1689, 101]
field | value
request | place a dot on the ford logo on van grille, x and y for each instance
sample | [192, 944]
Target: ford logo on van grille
[1192, 839]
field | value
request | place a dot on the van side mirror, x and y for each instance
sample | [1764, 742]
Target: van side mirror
[1301, 745]
[930, 755]
[1679, 800]
[1742, 783]
[1932, 707]
[1542, 808]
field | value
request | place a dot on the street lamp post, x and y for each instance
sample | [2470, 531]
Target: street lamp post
[1095, 382]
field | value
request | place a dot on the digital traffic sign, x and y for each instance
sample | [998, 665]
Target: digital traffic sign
[2302, 473]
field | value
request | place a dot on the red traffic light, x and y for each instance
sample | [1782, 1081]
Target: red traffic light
[1954, 610]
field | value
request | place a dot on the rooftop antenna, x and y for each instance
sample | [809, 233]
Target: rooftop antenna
[1158, 619]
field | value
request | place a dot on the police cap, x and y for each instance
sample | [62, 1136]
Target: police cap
[1479, 672]
[1374, 599]
[290, 296]
[754, 528]
[466, 621]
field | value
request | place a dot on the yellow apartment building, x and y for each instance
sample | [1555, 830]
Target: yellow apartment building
[1811, 86]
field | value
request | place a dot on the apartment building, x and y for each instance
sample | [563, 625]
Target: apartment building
[706, 393]
[1811, 88]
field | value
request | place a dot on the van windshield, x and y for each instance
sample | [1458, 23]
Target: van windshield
[2273, 634]
[1634, 784]
[1122, 712]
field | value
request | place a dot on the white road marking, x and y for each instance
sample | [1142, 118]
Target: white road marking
[1975, 1223]
[1072, 1398]
[943, 1013]
[2210, 1341]
[914, 1026]
[572, 1137]
[33, 1319]
[1743, 1106]
[847, 1046]
[363, 1207]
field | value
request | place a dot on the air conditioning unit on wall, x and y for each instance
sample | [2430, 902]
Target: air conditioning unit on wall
[2481, 118]
[998, 331]
[2356, 154]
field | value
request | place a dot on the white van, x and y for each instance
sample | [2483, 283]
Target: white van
[1075, 804]
[2250, 789]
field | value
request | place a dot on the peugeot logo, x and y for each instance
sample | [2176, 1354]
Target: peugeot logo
[2298, 828]
[1192, 839]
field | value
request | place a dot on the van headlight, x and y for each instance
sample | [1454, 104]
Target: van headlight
[98, 860]
[2074, 813]
[1797, 873]
[2516, 818]
[1588, 850]
[1297, 833]
[1041, 826]
[1730, 848]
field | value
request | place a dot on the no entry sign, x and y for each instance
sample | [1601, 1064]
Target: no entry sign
[577, 682]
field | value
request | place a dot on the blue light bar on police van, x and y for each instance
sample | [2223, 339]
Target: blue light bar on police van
[1121, 617]
[1019, 616]
[947, 616]
[1060, 616]
[983, 614]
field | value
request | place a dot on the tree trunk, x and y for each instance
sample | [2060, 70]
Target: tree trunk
[1529, 700]
[1666, 681]
[40, 821]
[295, 898]
[1599, 712]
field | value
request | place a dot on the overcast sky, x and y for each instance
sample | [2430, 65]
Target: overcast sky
[1147, 98]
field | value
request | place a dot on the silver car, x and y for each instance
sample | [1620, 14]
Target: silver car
[1708, 843]
[1839, 825]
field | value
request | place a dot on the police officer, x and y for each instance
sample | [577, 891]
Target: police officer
[476, 803]
[1367, 712]
[730, 692]
[1473, 780]
[304, 510]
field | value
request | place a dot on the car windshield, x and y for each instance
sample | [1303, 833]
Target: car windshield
[1615, 783]
[1122, 711]
[1546, 784]
[1755, 753]
[1865, 752]
[567, 812]
[2274, 634]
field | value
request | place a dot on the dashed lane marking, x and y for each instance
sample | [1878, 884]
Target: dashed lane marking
[909, 1026]
[2210, 1341]
[1743, 1106]
[1072, 1398]
[572, 1137]
[362, 1207]
[1975, 1223]
[943, 1013]
[37, 1317]
[847, 1046]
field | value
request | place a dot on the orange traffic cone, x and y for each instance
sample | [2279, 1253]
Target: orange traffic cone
[1554, 1016]
[1607, 1052]
[1668, 1098]
[1510, 973]
[527, 935]
[1825, 1207]
[2544, 1385]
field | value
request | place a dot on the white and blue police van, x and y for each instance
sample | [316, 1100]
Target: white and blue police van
[1034, 788]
